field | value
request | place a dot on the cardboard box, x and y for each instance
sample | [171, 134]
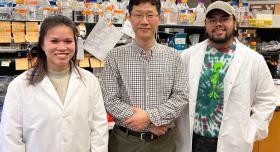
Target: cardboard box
[263, 8]
[277, 9]
[276, 21]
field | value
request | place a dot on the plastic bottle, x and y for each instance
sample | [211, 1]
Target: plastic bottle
[107, 9]
[125, 4]
[241, 11]
[183, 12]
[32, 9]
[252, 18]
[96, 11]
[236, 8]
[42, 11]
[119, 13]
[53, 8]
[78, 11]
[171, 12]
[200, 13]
[174, 14]
[162, 8]
[20, 10]
[167, 12]
[10, 5]
[87, 12]
[191, 17]
[65, 8]
[5, 11]
[244, 15]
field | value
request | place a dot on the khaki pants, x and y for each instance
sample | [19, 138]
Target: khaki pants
[119, 141]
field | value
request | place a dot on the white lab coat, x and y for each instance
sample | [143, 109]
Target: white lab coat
[35, 120]
[248, 87]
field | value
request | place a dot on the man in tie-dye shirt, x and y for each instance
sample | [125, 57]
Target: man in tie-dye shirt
[231, 99]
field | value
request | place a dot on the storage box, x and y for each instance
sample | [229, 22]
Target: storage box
[263, 8]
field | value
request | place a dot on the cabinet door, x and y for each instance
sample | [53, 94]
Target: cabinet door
[271, 143]
[256, 146]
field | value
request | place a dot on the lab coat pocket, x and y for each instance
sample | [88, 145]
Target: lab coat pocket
[251, 132]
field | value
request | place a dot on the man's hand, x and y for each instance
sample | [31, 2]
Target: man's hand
[159, 131]
[139, 120]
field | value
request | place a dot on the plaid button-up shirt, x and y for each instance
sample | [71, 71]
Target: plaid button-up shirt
[155, 83]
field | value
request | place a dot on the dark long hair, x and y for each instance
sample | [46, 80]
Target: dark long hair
[40, 68]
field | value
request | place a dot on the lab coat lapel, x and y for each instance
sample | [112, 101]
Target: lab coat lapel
[195, 66]
[233, 71]
[48, 88]
[73, 85]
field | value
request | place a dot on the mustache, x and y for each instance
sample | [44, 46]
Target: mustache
[218, 29]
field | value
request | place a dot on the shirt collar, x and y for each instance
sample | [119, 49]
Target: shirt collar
[140, 50]
[231, 48]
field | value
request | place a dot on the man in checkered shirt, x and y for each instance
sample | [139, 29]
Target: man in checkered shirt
[144, 86]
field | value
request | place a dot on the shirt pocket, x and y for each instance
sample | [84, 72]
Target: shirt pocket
[164, 82]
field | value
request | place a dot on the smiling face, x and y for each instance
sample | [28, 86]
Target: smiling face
[220, 27]
[59, 47]
[144, 19]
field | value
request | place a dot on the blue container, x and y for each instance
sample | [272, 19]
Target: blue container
[180, 41]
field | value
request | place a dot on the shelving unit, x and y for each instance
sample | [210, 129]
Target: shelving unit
[266, 34]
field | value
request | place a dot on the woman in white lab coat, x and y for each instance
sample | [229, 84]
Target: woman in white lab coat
[55, 106]
[249, 100]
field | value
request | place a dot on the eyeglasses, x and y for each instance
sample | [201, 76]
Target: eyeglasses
[222, 20]
[149, 17]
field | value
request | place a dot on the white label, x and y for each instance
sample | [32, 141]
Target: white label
[5, 63]
[180, 40]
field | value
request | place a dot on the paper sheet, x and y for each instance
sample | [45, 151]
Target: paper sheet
[127, 29]
[101, 39]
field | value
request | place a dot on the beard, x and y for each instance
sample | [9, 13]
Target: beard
[222, 40]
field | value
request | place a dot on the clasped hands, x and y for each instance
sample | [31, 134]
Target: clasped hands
[140, 121]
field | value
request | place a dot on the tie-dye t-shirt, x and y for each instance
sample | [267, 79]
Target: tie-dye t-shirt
[210, 95]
